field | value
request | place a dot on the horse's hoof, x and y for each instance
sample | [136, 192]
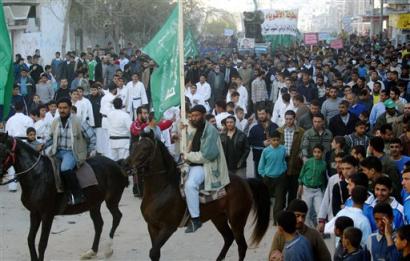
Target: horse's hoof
[108, 253]
[108, 248]
[88, 255]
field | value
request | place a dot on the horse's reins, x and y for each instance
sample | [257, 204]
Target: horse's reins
[11, 157]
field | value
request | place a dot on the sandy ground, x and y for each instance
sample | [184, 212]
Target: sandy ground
[72, 235]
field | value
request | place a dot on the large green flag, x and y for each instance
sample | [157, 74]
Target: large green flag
[6, 65]
[163, 49]
[190, 49]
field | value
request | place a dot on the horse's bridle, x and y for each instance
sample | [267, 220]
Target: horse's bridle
[11, 156]
[150, 160]
[11, 160]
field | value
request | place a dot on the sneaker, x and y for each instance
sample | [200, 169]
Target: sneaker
[193, 225]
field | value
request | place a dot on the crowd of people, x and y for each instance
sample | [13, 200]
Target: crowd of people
[329, 131]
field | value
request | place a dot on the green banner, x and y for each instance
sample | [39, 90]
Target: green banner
[163, 49]
[6, 65]
[190, 49]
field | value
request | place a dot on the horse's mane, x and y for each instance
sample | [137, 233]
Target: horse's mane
[171, 166]
[44, 160]
[27, 147]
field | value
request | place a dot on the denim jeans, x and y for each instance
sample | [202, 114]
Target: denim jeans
[68, 161]
[196, 177]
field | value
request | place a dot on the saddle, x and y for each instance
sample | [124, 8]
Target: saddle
[204, 195]
[85, 175]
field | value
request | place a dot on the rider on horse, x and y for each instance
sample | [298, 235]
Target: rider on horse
[71, 141]
[207, 163]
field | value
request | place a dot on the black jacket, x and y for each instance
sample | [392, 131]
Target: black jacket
[236, 159]
[96, 105]
[338, 128]
[62, 93]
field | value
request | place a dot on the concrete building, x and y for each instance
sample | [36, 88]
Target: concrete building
[398, 25]
[37, 24]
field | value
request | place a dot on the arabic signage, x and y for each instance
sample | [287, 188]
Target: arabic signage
[400, 21]
[228, 32]
[310, 38]
[280, 22]
[336, 44]
[246, 43]
[323, 36]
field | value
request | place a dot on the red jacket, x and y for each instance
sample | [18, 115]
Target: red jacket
[137, 126]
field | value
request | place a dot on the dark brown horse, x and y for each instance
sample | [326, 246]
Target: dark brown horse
[40, 197]
[163, 207]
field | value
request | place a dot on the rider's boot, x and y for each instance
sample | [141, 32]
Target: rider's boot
[73, 191]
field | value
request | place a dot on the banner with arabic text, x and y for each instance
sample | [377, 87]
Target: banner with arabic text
[280, 22]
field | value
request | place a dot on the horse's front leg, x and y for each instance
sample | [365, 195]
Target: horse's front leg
[159, 235]
[46, 222]
[35, 221]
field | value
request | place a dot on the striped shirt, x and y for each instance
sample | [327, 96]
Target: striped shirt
[259, 92]
[64, 136]
[289, 132]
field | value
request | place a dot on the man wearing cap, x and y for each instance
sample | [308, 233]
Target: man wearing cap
[105, 109]
[391, 116]
[206, 161]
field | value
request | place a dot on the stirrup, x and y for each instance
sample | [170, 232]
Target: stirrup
[193, 226]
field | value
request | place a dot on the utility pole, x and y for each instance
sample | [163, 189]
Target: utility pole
[381, 20]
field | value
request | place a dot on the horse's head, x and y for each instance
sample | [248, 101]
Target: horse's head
[142, 152]
[7, 151]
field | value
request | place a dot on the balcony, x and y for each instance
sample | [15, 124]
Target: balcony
[397, 2]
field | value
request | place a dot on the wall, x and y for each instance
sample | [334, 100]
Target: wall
[49, 39]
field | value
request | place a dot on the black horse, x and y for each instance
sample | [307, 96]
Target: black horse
[40, 197]
[163, 207]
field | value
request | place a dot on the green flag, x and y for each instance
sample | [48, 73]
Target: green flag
[190, 49]
[6, 65]
[163, 49]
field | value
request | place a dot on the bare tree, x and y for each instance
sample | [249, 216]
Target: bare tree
[136, 21]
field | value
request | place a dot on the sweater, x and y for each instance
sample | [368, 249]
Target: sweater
[272, 163]
[45, 91]
[313, 173]
[377, 246]
[330, 108]
[297, 249]
[319, 248]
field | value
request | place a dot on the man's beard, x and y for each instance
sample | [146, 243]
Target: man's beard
[198, 124]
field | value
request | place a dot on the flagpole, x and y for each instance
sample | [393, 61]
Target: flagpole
[181, 71]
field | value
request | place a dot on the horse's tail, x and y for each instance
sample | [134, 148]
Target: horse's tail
[261, 207]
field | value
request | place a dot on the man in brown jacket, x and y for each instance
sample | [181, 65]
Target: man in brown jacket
[291, 138]
[319, 248]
